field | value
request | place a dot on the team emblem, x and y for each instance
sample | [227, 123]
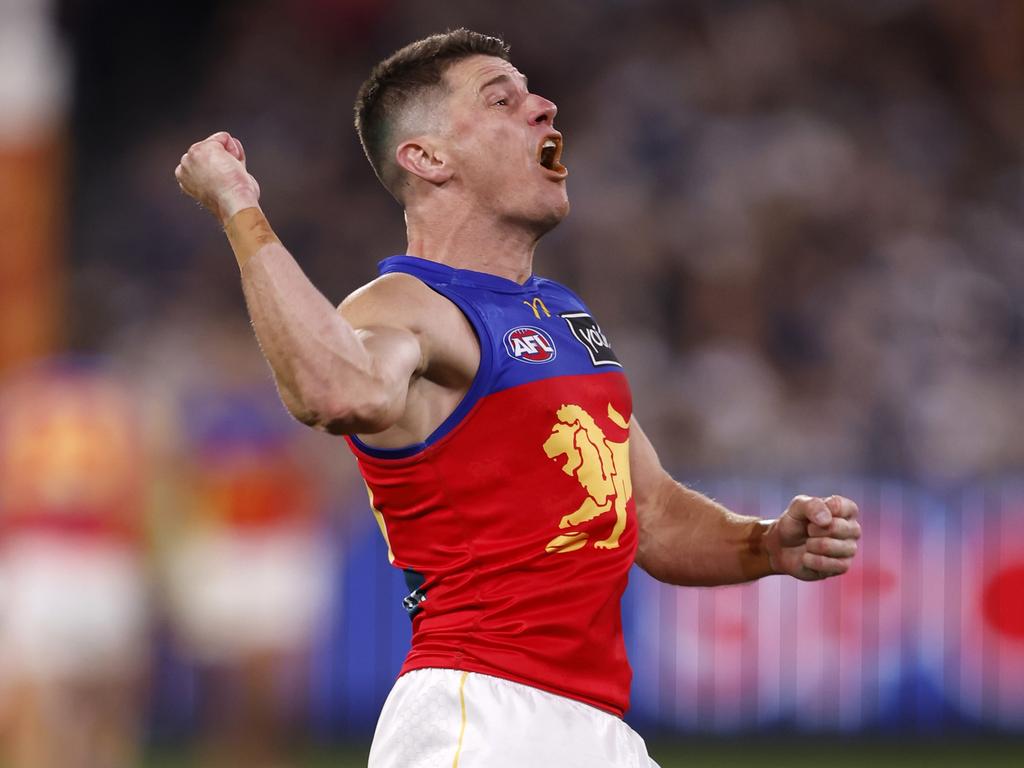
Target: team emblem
[601, 467]
[588, 333]
[530, 345]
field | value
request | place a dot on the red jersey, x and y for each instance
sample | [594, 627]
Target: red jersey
[71, 459]
[514, 521]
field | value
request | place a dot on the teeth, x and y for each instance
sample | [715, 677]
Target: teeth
[547, 153]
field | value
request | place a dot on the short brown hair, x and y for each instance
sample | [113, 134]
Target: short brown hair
[403, 77]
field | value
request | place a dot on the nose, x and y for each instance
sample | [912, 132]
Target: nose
[542, 110]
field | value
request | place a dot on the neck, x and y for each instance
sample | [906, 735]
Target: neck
[470, 239]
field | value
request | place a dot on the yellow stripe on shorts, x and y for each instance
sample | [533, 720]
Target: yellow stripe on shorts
[462, 729]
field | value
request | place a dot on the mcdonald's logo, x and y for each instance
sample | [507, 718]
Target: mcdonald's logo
[537, 306]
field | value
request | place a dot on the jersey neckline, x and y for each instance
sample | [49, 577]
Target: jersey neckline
[452, 276]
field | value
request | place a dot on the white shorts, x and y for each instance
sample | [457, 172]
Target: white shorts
[238, 592]
[444, 718]
[71, 609]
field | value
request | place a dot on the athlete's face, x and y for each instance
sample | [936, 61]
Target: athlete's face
[504, 148]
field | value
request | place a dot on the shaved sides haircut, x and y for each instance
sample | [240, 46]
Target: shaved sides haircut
[407, 79]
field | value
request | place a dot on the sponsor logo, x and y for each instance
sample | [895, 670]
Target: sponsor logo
[413, 602]
[537, 305]
[530, 345]
[588, 333]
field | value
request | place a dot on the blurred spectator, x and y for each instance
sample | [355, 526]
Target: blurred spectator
[245, 563]
[73, 624]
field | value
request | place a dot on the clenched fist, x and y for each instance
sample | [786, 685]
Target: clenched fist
[213, 172]
[815, 538]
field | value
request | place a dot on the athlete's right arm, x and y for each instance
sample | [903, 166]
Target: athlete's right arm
[330, 375]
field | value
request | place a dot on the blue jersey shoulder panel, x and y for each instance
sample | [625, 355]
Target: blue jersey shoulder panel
[527, 332]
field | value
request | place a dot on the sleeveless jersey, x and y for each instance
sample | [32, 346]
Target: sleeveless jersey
[514, 521]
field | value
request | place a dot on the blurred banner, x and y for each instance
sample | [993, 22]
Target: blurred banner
[927, 629]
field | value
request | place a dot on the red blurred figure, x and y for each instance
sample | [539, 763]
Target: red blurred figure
[73, 615]
[248, 576]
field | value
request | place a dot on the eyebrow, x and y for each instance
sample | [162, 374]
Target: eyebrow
[502, 78]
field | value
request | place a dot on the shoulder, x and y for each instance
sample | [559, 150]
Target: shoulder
[397, 300]
[401, 301]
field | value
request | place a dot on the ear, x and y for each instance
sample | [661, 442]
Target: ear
[420, 157]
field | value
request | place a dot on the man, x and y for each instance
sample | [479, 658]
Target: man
[492, 424]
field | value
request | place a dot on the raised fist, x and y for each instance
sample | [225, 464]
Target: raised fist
[213, 172]
[815, 538]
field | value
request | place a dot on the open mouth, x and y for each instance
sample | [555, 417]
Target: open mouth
[549, 154]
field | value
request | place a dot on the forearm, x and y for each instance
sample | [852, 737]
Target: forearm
[322, 368]
[689, 539]
[329, 374]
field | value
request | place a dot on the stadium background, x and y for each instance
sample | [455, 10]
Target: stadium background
[799, 222]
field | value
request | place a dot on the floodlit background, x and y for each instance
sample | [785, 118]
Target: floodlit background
[801, 224]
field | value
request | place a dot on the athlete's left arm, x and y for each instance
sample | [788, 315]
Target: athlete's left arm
[688, 539]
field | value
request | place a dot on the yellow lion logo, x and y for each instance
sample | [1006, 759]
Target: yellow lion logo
[600, 465]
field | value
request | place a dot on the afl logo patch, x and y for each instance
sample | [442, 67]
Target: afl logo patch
[530, 345]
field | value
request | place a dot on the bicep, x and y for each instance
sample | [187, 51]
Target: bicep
[373, 357]
[386, 323]
[687, 538]
[405, 332]
[651, 484]
[376, 400]
[395, 356]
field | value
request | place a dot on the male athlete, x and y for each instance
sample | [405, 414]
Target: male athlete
[493, 425]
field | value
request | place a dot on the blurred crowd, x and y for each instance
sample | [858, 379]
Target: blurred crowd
[172, 507]
[800, 224]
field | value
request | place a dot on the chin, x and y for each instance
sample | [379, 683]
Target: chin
[563, 208]
[541, 215]
[547, 221]
[551, 216]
